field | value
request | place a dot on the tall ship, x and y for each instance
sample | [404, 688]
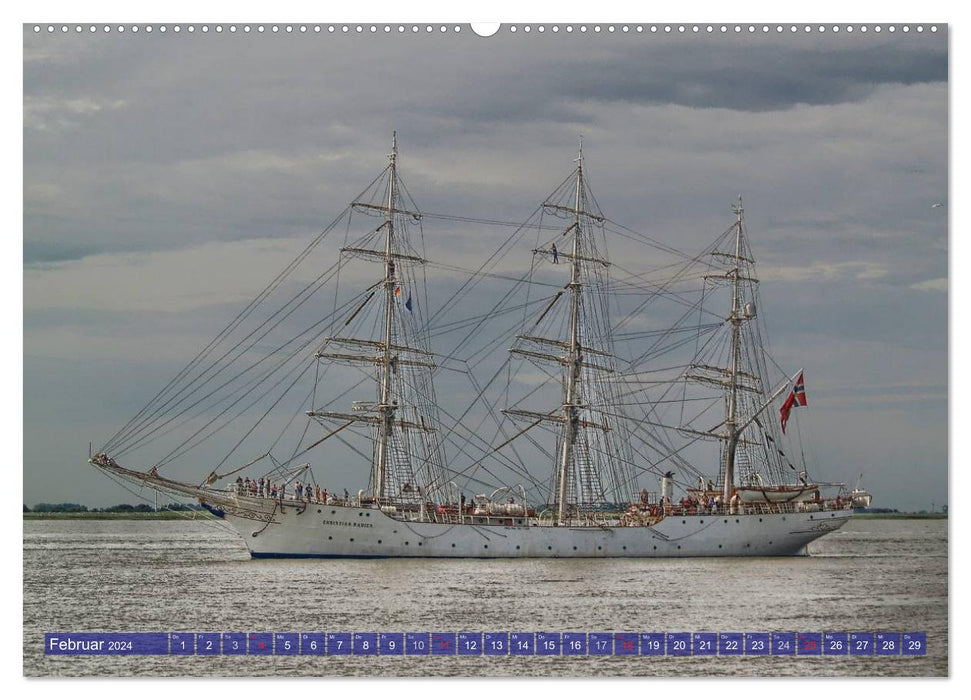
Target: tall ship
[551, 402]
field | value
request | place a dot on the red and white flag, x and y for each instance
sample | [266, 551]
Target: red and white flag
[797, 397]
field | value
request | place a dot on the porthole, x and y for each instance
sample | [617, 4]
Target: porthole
[719, 546]
[679, 546]
[419, 544]
[760, 519]
[406, 544]
[517, 546]
[684, 522]
[330, 538]
[574, 549]
[319, 510]
[598, 548]
[655, 546]
[352, 539]
[625, 547]
[736, 520]
[485, 546]
[549, 548]
[379, 541]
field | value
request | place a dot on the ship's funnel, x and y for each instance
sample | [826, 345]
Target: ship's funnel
[667, 486]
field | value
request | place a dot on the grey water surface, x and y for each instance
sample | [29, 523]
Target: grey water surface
[194, 576]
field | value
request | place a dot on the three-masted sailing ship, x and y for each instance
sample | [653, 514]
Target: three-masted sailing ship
[575, 404]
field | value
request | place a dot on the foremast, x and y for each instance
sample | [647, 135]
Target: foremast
[403, 459]
[387, 405]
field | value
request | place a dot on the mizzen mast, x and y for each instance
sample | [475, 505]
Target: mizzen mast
[735, 319]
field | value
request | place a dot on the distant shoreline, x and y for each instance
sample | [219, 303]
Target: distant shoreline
[87, 515]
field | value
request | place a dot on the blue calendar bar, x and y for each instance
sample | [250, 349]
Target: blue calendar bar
[587, 644]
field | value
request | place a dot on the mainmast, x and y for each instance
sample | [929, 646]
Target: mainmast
[591, 466]
[571, 410]
[736, 320]
[386, 405]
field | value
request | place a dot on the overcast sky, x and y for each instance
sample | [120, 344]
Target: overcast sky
[168, 177]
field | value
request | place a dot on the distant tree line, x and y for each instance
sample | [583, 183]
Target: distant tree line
[120, 508]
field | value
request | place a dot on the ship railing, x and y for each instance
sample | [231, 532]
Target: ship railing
[754, 508]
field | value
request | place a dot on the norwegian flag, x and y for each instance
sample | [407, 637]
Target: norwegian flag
[797, 397]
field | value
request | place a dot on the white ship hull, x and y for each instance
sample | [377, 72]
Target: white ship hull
[346, 531]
